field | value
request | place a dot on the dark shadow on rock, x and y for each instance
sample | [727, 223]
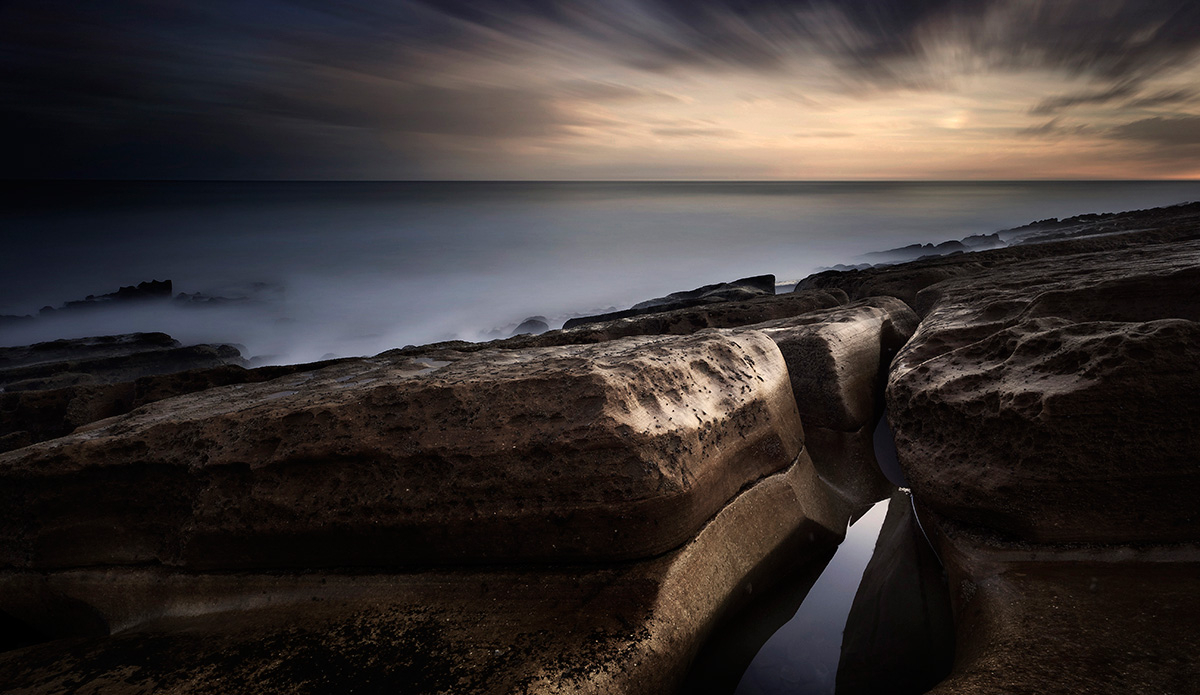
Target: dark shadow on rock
[735, 642]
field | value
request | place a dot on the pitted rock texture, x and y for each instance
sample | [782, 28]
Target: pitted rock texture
[838, 358]
[27, 417]
[837, 361]
[594, 453]
[1056, 400]
[1086, 234]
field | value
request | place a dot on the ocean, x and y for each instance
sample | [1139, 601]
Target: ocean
[309, 270]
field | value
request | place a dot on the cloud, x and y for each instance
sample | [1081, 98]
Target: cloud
[686, 132]
[1054, 128]
[1058, 103]
[1166, 132]
[390, 87]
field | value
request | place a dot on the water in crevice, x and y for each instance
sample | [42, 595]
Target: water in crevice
[873, 617]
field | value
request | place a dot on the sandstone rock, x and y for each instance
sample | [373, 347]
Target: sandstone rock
[676, 322]
[1055, 400]
[837, 363]
[36, 416]
[595, 453]
[1039, 619]
[1085, 234]
[623, 628]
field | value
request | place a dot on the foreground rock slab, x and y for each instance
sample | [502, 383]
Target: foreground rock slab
[577, 453]
[622, 628]
[1056, 619]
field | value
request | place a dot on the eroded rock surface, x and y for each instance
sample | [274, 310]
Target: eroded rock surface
[621, 628]
[1055, 400]
[591, 453]
[837, 362]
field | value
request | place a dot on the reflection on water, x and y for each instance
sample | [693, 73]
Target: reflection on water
[802, 656]
[872, 617]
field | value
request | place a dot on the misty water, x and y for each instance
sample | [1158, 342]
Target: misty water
[320, 269]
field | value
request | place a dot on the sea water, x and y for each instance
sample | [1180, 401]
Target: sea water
[319, 269]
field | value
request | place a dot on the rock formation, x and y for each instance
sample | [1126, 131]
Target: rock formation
[576, 511]
[681, 454]
[1045, 414]
[738, 290]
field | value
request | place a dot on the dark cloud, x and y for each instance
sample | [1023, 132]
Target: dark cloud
[1054, 129]
[276, 87]
[1171, 97]
[1104, 96]
[1166, 132]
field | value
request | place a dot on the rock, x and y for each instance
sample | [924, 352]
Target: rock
[906, 280]
[1055, 400]
[623, 628]
[676, 322]
[1038, 619]
[593, 453]
[153, 289]
[534, 325]
[837, 363]
[39, 415]
[104, 360]
[738, 290]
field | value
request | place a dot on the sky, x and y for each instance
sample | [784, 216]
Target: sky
[600, 89]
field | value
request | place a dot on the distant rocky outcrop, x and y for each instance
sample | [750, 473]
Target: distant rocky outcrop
[742, 289]
[534, 325]
[104, 360]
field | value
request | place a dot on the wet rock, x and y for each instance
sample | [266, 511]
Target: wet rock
[1055, 400]
[738, 290]
[594, 453]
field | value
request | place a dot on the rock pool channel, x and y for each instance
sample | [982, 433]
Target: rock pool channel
[870, 615]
